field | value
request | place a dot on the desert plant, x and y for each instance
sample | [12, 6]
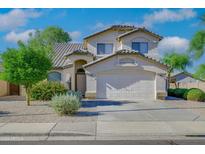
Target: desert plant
[45, 90]
[75, 93]
[195, 94]
[65, 104]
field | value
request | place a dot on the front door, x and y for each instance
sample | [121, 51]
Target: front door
[81, 82]
[13, 89]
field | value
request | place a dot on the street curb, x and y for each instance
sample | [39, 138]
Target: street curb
[43, 134]
[64, 134]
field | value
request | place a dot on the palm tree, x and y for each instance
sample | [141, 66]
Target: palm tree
[197, 48]
[176, 62]
[197, 44]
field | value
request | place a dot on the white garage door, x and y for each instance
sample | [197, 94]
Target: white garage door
[138, 85]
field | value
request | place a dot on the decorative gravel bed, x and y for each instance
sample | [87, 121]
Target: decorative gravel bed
[38, 112]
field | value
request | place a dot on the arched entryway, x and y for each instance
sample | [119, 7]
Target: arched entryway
[80, 77]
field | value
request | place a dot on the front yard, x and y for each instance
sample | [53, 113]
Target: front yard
[40, 112]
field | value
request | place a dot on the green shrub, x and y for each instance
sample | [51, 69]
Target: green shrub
[171, 92]
[185, 94]
[65, 104]
[179, 92]
[45, 90]
[195, 94]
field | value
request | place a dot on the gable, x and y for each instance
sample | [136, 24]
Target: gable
[106, 37]
[122, 28]
[118, 61]
[141, 36]
[143, 30]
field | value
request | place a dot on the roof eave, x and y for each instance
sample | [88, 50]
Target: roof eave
[140, 29]
[97, 33]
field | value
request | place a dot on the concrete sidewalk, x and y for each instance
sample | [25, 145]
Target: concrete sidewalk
[120, 130]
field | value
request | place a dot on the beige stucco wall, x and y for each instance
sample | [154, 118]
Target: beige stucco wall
[68, 73]
[161, 81]
[4, 88]
[126, 42]
[112, 64]
[107, 37]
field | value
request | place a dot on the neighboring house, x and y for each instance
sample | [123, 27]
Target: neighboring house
[119, 62]
[186, 80]
[184, 77]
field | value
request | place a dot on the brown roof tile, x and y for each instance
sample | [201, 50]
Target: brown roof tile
[62, 49]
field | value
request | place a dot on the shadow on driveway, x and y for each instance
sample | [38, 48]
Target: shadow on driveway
[95, 103]
[86, 114]
[4, 113]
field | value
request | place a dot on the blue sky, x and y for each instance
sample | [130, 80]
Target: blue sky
[177, 26]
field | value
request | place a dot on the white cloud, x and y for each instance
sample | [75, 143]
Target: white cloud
[156, 17]
[167, 15]
[75, 35]
[15, 37]
[16, 18]
[174, 43]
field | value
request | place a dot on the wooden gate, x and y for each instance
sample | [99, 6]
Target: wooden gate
[13, 89]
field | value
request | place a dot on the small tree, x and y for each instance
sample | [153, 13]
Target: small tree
[31, 62]
[197, 44]
[25, 66]
[49, 36]
[176, 61]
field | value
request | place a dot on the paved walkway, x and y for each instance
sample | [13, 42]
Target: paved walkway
[102, 131]
[104, 120]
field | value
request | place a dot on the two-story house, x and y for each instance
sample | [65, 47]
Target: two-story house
[116, 63]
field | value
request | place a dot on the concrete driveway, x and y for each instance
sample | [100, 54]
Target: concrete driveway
[173, 110]
[106, 120]
[145, 119]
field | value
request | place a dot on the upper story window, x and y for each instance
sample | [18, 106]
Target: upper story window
[140, 46]
[104, 48]
[54, 76]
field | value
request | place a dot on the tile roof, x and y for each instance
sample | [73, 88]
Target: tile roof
[124, 27]
[79, 52]
[61, 50]
[126, 51]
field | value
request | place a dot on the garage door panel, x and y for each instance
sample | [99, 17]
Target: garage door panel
[129, 85]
